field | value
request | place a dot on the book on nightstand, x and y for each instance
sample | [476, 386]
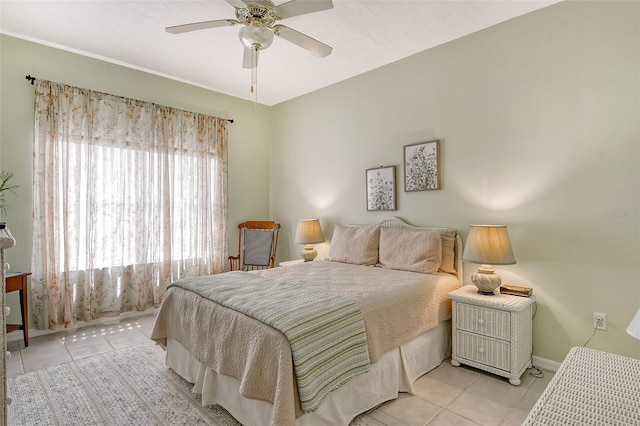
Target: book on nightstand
[516, 290]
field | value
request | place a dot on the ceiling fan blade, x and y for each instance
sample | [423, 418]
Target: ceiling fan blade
[237, 3]
[177, 29]
[247, 61]
[312, 45]
[301, 7]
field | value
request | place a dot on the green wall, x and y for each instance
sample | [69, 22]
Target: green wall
[538, 123]
[248, 135]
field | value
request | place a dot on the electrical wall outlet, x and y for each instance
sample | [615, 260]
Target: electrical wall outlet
[599, 321]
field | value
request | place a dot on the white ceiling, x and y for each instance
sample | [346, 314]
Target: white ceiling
[364, 34]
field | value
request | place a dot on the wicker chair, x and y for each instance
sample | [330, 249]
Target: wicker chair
[257, 244]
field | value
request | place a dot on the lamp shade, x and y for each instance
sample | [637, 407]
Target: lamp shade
[634, 326]
[488, 244]
[309, 232]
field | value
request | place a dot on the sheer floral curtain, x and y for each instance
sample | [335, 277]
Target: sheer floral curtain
[128, 197]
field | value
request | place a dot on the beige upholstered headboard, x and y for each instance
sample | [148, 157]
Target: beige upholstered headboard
[396, 222]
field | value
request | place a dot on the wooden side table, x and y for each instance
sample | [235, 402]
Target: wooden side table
[18, 281]
[492, 333]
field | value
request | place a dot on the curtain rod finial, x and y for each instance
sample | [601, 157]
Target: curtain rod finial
[31, 79]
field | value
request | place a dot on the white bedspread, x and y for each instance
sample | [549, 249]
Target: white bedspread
[396, 305]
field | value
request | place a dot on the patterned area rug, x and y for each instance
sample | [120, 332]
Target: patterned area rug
[130, 386]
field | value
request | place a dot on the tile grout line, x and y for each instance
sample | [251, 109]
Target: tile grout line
[58, 335]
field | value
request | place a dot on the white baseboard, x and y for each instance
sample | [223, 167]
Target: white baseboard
[546, 364]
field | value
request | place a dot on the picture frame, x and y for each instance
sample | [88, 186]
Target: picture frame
[381, 188]
[422, 166]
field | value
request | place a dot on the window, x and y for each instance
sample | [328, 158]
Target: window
[128, 196]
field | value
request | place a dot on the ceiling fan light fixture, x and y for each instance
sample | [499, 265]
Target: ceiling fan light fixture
[256, 36]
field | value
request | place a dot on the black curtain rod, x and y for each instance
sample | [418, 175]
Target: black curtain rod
[33, 79]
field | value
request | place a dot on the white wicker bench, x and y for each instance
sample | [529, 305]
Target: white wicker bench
[590, 388]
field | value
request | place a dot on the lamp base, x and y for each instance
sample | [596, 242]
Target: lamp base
[486, 293]
[486, 280]
[308, 253]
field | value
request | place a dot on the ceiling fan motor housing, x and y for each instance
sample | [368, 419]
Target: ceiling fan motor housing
[262, 11]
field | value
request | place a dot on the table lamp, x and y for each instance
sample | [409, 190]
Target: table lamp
[309, 232]
[634, 326]
[488, 245]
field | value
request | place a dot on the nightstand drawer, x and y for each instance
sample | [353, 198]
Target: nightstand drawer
[492, 352]
[482, 320]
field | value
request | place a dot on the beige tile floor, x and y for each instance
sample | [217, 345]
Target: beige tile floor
[448, 395]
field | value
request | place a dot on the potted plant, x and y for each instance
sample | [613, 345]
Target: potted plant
[5, 186]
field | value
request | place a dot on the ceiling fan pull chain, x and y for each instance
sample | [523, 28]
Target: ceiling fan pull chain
[255, 105]
[253, 77]
[254, 74]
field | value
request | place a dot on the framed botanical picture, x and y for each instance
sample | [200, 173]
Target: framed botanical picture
[422, 166]
[381, 188]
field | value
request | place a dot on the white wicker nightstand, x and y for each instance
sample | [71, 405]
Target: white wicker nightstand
[492, 333]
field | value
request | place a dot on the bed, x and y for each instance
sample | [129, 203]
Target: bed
[389, 280]
[591, 387]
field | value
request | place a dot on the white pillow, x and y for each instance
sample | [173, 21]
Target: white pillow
[410, 250]
[448, 262]
[355, 244]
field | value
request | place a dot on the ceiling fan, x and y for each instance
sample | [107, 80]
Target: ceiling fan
[259, 19]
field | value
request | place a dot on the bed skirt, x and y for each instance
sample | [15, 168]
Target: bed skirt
[394, 372]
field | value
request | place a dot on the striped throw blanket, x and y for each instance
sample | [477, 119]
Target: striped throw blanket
[326, 332]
